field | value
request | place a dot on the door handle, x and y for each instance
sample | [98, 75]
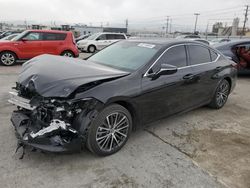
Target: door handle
[188, 77]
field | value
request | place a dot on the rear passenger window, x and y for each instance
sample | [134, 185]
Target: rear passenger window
[175, 56]
[198, 54]
[110, 37]
[213, 55]
[119, 37]
[54, 36]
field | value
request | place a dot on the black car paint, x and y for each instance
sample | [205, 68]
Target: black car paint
[55, 76]
[147, 99]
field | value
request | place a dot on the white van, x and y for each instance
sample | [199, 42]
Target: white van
[99, 41]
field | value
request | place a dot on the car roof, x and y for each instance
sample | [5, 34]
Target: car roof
[111, 33]
[230, 43]
[49, 31]
[167, 42]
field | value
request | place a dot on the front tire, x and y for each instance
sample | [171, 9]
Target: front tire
[109, 132]
[91, 49]
[221, 95]
[8, 58]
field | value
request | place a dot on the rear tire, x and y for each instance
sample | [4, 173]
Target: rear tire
[221, 95]
[8, 58]
[91, 49]
[109, 132]
[68, 54]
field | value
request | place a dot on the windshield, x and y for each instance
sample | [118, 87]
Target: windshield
[126, 55]
[19, 36]
[92, 37]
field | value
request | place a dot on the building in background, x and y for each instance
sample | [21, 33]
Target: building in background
[84, 29]
[232, 30]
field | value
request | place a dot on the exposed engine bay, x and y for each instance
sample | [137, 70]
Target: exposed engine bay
[51, 124]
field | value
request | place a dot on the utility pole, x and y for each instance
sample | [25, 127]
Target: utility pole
[167, 25]
[207, 28]
[126, 24]
[245, 20]
[196, 19]
[170, 26]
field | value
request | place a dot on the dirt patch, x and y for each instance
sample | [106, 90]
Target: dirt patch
[213, 148]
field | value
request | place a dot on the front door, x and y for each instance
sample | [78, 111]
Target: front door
[167, 94]
[102, 42]
[30, 45]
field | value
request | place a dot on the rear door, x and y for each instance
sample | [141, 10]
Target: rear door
[112, 38]
[30, 45]
[52, 42]
[205, 66]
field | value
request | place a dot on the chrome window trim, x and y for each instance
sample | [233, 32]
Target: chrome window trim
[188, 66]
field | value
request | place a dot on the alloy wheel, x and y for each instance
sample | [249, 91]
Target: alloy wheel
[68, 54]
[7, 59]
[113, 132]
[222, 93]
[91, 49]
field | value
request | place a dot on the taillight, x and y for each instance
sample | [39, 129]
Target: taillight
[73, 38]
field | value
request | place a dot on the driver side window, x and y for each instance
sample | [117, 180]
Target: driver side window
[102, 37]
[174, 56]
[33, 36]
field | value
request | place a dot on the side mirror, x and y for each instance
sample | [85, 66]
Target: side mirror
[97, 39]
[165, 69]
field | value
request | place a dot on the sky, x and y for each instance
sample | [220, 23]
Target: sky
[143, 14]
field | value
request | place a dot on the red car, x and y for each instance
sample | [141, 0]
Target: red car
[32, 43]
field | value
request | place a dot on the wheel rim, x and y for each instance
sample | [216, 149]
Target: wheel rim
[8, 59]
[222, 93]
[112, 133]
[68, 54]
[91, 49]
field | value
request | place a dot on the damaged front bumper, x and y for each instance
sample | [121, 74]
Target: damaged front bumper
[45, 139]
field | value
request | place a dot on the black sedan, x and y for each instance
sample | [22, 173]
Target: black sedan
[238, 51]
[65, 103]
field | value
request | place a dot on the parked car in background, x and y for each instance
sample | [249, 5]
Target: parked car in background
[204, 41]
[238, 51]
[99, 41]
[65, 103]
[188, 37]
[82, 37]
[9, 37]
[219, 40]
[7, 33]
[32, 43]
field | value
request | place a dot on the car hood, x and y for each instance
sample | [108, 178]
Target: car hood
[84, 41]
[56, 76]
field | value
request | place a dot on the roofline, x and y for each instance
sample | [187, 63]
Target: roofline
[48, 31]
